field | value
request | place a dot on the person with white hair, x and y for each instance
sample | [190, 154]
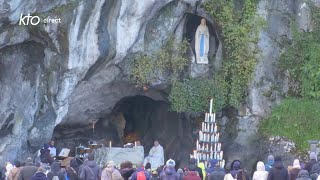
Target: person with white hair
[169, 171]
[261, 173]
[110, 172]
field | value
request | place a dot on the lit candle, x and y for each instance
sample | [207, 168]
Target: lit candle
[135, 144]
[110, 145]
[214, 117]
[212, 128]
[219, 147]
[197, 145]
[223, 163]
[215, 128]
[211, 106]
[221, 154]
[202, 128]
[218, 135]
[207, 149]
[215, 155]
[211, 148]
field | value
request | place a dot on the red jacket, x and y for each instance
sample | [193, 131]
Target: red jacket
[192, 175]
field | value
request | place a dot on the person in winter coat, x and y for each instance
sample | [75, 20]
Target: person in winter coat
[199, 170]
[294, 171]
[312, 162]
[203, 169]
[9, 167]
[270, 163]
[261, 173]
[278, 171]
[169, 172]
[315, 172]
[45, 155]
[192, 174]
[111, 173]
[213, 163]
[91, 171]
[28, 170]
[228, 175]
[39, 175]
[56, 171]
[14, 173]
[140, 174]
[181, 173]
[217, 174]
[237, 172]
[303, 175]
[126, 169]
[72, 169]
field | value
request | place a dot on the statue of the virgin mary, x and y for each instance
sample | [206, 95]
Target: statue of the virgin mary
[202, 43]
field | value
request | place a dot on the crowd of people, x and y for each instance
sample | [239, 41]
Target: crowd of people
[273, 169]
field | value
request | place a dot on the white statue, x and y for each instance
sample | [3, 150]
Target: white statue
[156, 156]
[202, 43]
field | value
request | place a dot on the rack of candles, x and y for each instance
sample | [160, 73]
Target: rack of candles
[208, 145]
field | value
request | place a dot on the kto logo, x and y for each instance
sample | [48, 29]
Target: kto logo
[26, 20]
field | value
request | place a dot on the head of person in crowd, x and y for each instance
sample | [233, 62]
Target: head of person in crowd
[236, 165]
[110, 167]
[170, 163]
[17, 164]
[90, 157]
[296, 164]
[261, 166]
[271, 160]
[126, 165]
[303, 174]
[313, 156]
[51, 143]
[148, 166]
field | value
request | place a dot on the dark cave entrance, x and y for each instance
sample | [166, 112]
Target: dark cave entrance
[191, 25]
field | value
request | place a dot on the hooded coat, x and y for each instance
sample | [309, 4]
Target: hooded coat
[90, 171]
[39, 176]
[270, 163]
[111, 174]
[135, 174]
[217, 174]
[261, 173]
[310, 164]
[203, 169]
[315, 172]
[278, 171]
[213, 163]
[56, 171]
[237, 172]
[192, 175]
[169, 173]
[303, 175]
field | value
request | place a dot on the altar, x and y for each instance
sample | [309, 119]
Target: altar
[119, 155]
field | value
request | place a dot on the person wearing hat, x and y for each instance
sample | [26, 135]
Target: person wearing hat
[39, 175]
[315, 172]
[110, 172]
[278, 171]
[261, 173]
[313, 161]
[294, 171]
[217, 174]
[169, 172]
[270, 163]
[193, 161]
[303, 175]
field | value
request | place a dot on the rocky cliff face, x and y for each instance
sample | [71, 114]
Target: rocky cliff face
[76, 70]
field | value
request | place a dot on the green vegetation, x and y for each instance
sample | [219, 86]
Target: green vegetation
[296, 119]
[239, 29]
[170, 60]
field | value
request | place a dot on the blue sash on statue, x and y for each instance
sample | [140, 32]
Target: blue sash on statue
[202, 45]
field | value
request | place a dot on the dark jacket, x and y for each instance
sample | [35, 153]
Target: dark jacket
[91, 171]
[293, 173]
[169, 173]
[218, 174]
[315, 172]
[126, 173]
[45, 156]
[134, 175]
[310, 164]
[192, 175]
[56, 171]
[278, 172]
[39, 176]
[213, 163]
[303, 175]
[27, 171]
